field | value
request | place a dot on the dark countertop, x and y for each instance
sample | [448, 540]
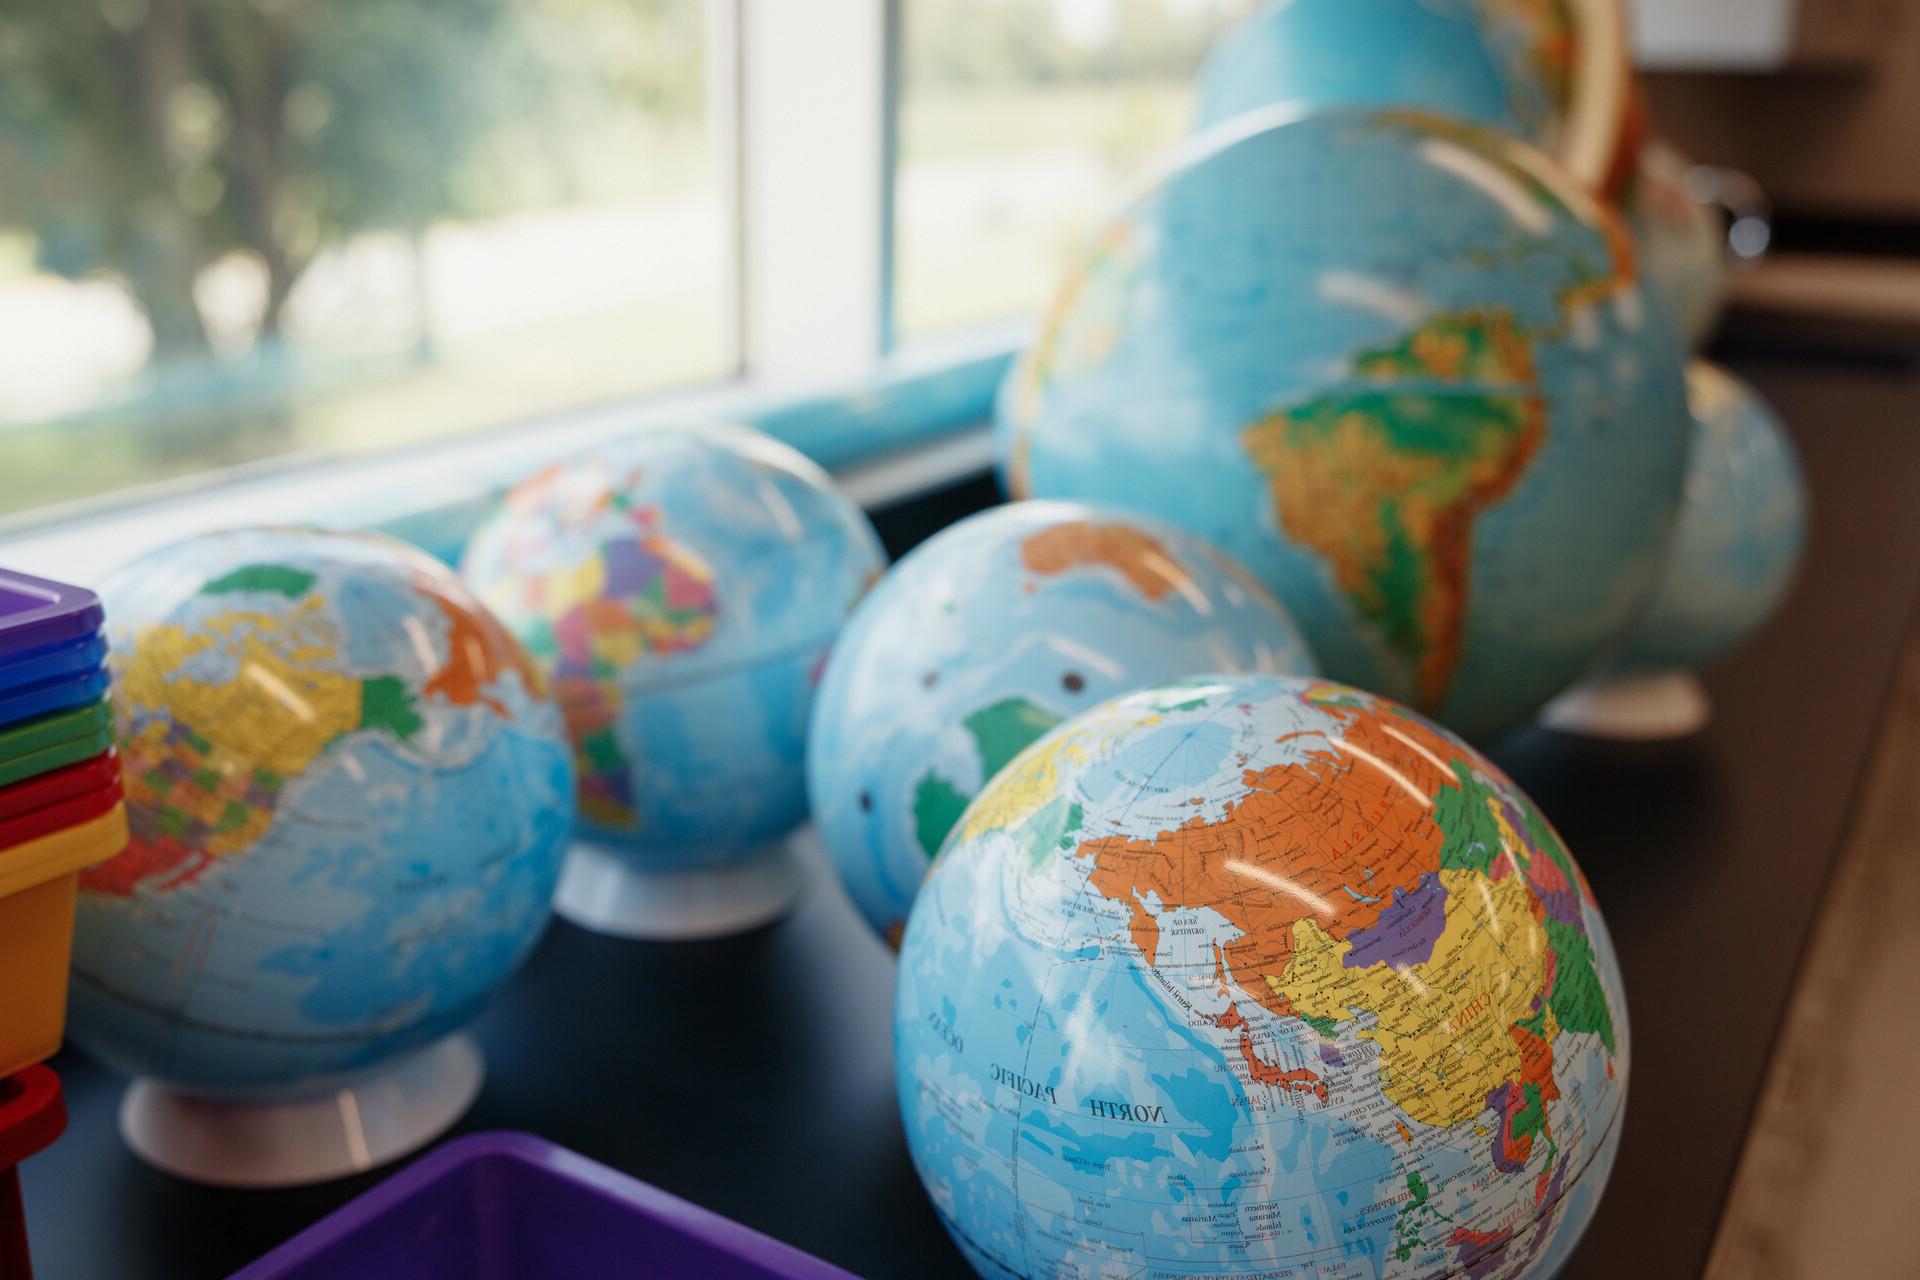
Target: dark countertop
[752, 1075]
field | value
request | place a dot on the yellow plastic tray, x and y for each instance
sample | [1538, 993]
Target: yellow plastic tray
[38, 883]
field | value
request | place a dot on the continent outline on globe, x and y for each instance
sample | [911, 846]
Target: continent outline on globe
[348, 797]
[1509, 1103]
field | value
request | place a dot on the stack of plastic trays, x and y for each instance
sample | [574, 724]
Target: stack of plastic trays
[61, 808]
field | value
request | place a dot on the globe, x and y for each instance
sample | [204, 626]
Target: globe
[1681, 241]
[1399, 367]
[1255, 976]
[683, 591]
[1554, 72]
[348, 792]
[989, 635]
[1738, 540]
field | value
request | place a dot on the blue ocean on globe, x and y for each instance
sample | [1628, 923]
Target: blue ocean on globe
[1741, 530]
[1506, 63]
[987, 636]
[1401, 368]
[682, 590]
[1254, 976]
[349, 793]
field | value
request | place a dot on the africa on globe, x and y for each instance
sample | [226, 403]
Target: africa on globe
[682, 589]
[987, 636]
[1256, 975]
[349, 793]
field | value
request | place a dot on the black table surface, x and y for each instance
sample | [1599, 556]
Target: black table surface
[752, 1075]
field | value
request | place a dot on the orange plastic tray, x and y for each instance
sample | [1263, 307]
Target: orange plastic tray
[38, 883]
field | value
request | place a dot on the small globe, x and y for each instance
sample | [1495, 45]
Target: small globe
[1258, 976]
[988, 636]
[1554, 72]
[1400, 368]
[683, 592]
[348, 793]
[1682, 242]
[1738, 540]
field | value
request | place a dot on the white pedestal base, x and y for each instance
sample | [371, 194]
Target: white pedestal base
[1632, 708]
[600, 889]
[367, 1121]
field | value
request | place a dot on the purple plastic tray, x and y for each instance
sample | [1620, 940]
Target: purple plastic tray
[35, 612]
[510, 1206]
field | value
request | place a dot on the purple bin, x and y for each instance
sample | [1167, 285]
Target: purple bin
[35, 613]
[510, 1206]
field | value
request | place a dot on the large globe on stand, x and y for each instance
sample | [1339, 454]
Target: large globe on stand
[682, 589]
[349, 793]
[1258, 976]
[1402, 369]
[1554, 72]
[986, 637]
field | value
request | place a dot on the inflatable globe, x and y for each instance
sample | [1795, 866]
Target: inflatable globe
[1403, 370]
[986, 637]
[1259, 976]
[1554, 72]
[349, 794]
[682, 590]
[1682, 242]
[1738, 540]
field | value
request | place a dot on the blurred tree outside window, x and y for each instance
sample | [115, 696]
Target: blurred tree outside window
[233, 229]
[1022, 122]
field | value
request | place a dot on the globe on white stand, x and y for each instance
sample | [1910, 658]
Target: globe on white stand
[362, 1122]
[1633, 708]
[602, 890]
[1735, 545]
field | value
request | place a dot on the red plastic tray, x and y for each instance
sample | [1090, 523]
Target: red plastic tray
[48, 819]
[61, 784]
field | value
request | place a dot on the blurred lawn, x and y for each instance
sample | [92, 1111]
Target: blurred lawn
[1000, 186]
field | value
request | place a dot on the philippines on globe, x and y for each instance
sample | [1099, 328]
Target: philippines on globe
[1259, 976]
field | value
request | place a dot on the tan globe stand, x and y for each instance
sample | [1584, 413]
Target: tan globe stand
[356, 1124]
[603, 890]
[1604, 120]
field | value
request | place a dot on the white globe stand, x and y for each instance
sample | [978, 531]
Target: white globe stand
[366, 1121]
[601, 890]
[1632, 708]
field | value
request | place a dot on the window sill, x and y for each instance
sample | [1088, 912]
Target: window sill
[917, 424]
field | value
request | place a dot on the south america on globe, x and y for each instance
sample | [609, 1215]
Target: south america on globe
[1250, 976]
[1402, 368]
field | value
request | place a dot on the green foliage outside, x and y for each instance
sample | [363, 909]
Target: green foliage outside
[143, 141]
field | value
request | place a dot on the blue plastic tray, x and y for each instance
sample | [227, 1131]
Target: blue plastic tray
[57, 694]
[509, 1206]
[52, 662]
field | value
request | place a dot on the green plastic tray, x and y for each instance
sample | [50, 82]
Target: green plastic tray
[66, 737]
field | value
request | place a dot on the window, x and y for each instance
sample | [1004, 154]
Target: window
[236, 229]
[1021, 122]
